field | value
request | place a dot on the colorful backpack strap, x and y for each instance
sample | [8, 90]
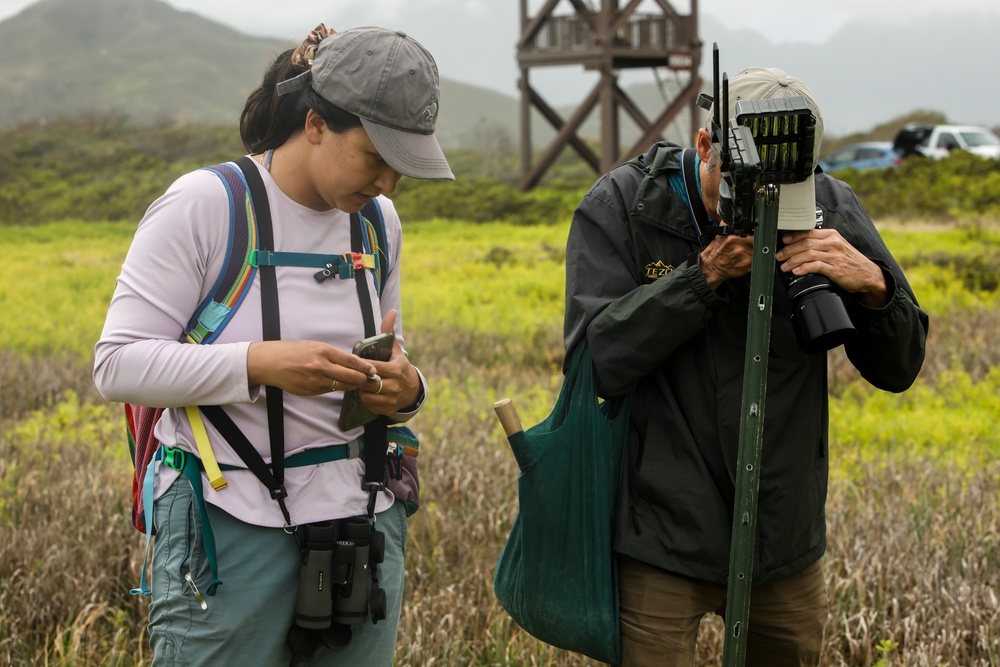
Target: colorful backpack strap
[209, 318]
[374, 241]
[232, 284]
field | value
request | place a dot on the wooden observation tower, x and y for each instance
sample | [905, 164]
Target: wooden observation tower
[606, 39]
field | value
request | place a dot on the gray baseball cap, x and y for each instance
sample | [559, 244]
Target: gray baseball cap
[390, 81]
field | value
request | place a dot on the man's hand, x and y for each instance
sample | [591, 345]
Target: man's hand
[826, 252]
[726, 256]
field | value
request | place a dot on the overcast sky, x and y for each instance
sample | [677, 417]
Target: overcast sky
[778, 20]
[439, 23]
[485, 52]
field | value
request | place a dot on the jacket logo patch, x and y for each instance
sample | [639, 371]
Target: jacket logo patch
[658, 269]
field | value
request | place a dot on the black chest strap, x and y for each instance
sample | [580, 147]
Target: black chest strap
[376, 431]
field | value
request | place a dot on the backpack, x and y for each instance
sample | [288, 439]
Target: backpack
[216, 310]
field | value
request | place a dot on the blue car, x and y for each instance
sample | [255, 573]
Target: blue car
[867, 155]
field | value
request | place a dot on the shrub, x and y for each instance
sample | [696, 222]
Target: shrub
[960, 186]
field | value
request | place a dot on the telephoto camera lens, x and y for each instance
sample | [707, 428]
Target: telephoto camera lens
[819, 316]
[314, 603]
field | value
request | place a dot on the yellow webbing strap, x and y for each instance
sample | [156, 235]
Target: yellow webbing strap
[205, 448]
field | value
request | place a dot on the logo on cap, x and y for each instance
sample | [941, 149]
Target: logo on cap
[430, 112]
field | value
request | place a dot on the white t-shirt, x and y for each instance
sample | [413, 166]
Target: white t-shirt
[175, 258]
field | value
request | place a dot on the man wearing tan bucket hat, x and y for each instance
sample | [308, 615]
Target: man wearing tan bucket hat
[661, 293]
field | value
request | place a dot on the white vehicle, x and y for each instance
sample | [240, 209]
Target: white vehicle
[937, 141]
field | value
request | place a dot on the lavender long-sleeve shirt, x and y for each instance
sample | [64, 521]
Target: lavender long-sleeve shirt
[178, 252]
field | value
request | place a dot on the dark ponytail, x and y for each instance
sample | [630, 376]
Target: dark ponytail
[268, 120]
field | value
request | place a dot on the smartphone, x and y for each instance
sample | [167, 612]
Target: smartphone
[377, 347]
[353, 413]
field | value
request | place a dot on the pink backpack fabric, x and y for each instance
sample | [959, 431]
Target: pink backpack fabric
[140, 422]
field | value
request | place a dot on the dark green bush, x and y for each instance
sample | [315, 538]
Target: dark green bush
[483, 200]
[962, 185]
[100, 168]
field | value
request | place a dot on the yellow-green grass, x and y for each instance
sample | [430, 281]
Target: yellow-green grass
[496, 279]
[502, 285]
[915, 496]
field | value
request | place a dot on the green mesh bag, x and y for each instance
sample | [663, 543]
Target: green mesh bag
[557, 576]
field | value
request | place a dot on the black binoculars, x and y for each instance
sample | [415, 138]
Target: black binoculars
[336, 585]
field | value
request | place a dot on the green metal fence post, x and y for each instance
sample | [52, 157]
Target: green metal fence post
[751, 429]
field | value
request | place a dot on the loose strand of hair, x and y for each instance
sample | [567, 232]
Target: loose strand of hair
[267, 119]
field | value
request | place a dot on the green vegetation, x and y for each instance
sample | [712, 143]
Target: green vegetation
[99, 168]
[962, 186]
[913, 567]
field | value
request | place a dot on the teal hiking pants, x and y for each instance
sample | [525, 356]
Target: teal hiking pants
[247, 620]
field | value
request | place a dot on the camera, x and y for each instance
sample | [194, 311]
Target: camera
[771, 142]
[819, 317]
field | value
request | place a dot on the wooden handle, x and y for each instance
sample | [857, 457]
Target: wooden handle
[507, 415]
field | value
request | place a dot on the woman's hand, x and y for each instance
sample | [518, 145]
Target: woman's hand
[310, 368]
[398, 386]
[305, 367]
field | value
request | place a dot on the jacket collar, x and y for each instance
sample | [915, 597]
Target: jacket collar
[656, 203]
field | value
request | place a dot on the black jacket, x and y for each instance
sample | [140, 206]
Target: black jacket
[658, 331]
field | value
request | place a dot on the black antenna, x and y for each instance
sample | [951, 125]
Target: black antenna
[725, 121]
[715, 82]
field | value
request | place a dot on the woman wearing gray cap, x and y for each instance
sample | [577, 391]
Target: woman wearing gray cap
[298, 553]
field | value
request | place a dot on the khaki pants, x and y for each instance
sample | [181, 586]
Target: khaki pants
[661, 613]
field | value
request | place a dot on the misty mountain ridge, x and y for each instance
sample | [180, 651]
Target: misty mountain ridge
[152, 63]
[868, 73]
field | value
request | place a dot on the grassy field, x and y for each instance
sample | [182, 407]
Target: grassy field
[914, 561]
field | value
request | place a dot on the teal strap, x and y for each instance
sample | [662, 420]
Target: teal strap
[330, 266]
[147, 511]
[192, 467]
[309, 457]
[260, 258]
[187, 464]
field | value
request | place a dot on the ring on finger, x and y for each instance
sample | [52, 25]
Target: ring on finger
[379, 390]
[335, 385]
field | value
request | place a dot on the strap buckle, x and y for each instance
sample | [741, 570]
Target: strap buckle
[356, 259]
[174, 457]
[373, 489]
